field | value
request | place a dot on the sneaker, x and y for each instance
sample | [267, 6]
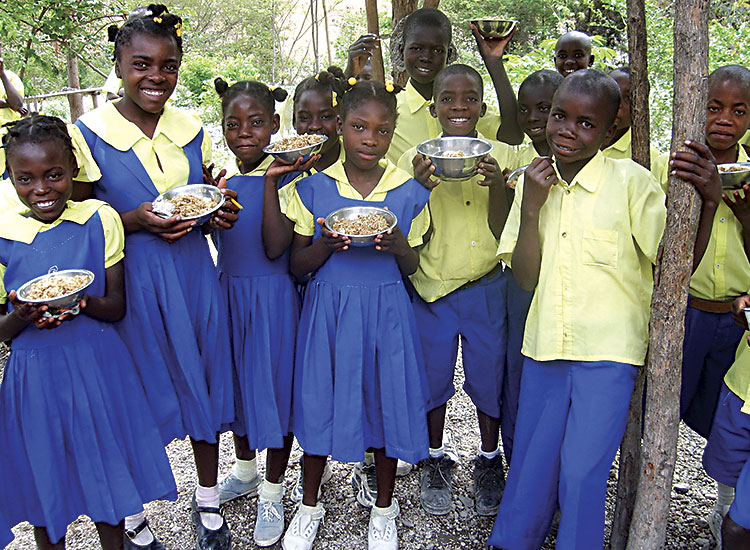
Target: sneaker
[269, 524]
[130, 534]
[403, 468]
[365, 484]
[382, 533]
[209, 539]
[304, 527]
[298, 488]
[715, 519]
[232, 487]
[435, 485]
[489, 484]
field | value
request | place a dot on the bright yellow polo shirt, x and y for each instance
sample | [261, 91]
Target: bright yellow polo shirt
[724, 271]
[745, 139]
[16, 227]
[461, 247]
[599, 237]
[623, 149]
[738, 376]
[7, 114]
[415, 124]
[174, 131]
[304, 224]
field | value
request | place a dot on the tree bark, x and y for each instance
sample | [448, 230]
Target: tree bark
[75, 101]
[373, 26]
[400, 9]
[431, 4]
[672, 275]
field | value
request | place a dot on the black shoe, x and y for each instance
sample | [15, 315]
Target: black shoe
[130, 534]
[209, 539]
[489, 484]
[435, 485]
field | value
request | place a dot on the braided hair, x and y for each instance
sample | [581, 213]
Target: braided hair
[155, 20]
[257, 90]
[359, 92]
[37, 129]
[331, 80]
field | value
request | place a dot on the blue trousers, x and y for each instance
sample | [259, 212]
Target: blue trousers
[571, 420]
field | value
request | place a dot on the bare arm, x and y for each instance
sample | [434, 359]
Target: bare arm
[111, 306]
[499, 207]
[307, 255]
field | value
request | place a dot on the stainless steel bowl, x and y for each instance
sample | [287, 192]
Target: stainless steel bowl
[290, 156]
[734, 180]
[351, 213]
[495, 27]
[163, 208]
[67, 303]
[457, 168]
[514, 176]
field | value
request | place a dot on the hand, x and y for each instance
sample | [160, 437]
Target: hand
[737, 313]
[698, 167]
[226, 216]
[491, 48]
[490, 169]
[359, 52]
[169, 229]
[24, 311]
[538, 179]
[333, 241]
[423, 171]
[208, 177]
[392, 241]
[279, 168]
[739, 204]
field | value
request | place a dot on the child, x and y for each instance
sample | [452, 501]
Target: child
[459, 282]
[424, 50]
[177, 324]
[76, 434]
[573, 52]
[580, 228]
[711, 336]
[355, 389]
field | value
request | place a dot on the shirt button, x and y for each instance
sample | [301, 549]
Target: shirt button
[468, 203]
[722, 220]
[564, 234]
[567, 191]
[718, 265]
[473, 243]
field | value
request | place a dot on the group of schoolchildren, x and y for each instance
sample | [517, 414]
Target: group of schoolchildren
[297, 332]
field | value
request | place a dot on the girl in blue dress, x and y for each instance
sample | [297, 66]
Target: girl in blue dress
[176, 325]
[76, 434]
[359, 374]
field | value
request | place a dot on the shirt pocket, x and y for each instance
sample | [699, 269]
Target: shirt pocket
[599, 247]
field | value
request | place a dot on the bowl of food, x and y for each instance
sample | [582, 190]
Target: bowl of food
[455, 157]
[289, 149]
[512, 180]
[734, 175]
[495, 28]
[60, 291]
[361, 223]
[192, 202]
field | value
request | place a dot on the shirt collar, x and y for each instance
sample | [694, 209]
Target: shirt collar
[623, 144]
[17, 227]
[391, 178]
[414, 99]
[233, 168]
[742, 154]
[588, 177]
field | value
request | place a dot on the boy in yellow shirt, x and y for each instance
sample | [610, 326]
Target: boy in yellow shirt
[581, 228]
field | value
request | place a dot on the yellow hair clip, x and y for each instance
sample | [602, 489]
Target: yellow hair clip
[334, 95]
[389, 86]
[157, 20]
[272, 89]
[178, 29]
[352, 81]
[317, 77]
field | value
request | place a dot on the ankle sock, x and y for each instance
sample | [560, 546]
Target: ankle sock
[489, 455]
[369, 458]
[725, 497]
[209, 497]
[245, 470]
[145, 537]
[271, 491]
[437, 453]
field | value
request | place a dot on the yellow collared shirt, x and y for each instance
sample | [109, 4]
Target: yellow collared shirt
[304, 224]
[738, 376]
[623, 149]
[462, 247]
[162, 155]
[724, 271]
[745, 139]
[599, 237]
[415, 124]
[7, 114]
[16, 227]
[522, 155]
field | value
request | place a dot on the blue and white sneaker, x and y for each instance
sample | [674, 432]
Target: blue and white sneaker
[231, 487]
[269, 524]
[365, 484]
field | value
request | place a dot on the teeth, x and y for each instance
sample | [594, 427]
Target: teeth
[459, 120]
[421, 70]
[44, 204]
[154, 93]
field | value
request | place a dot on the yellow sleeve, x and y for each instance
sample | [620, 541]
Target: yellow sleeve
[504, 154]
[114, 235]
[286, 194]
[405, 162]
[88, 170]
[304, 224]
[419, 226]
[206, 147]
[509, 236]
[3, 293]
[113, 84]
[648, 212]
[489, 123]
[15, 81]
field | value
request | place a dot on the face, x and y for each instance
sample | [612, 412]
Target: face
[572, 53]
[458, 105]
[425, 53]
[577, 126]
[624, 119]
[148, 67]
[248, 126]
[534, 103]
[314, 114]
[42, 174]
[367, 131]
[727, 114]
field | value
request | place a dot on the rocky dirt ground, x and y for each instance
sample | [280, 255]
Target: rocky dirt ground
[345, 525]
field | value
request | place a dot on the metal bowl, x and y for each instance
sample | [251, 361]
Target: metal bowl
[290, 156]
[163, 208]
[514, 176]
[67, 303]
[457, 168]
[495, 27]
[351, 212]
[735, 179]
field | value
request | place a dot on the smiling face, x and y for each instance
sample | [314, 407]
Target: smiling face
[572, 53]
[367, 130]
[534, 103]
[314, 114]
[458, 105]
[425, 53]
[148, 66]
[727, 115]
[248, 126]
[42, 174]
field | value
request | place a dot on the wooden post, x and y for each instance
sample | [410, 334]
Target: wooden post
[672, 276]
[373, 27]
[431, 4]
[328, 36]
[400, 9]
[75, 101]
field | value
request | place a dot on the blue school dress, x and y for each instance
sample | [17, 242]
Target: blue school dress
[76, 434]
[263, 315]
[176, 326]
[359, 374]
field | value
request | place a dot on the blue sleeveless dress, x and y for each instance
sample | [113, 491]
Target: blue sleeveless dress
[263, 315]
[76, 434]
[359, 374]
[176, 326]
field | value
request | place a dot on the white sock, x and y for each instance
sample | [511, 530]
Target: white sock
[369, 458]
[725, 498]
[271, 491]
[489, 455]
[209, 497]
[437, 453]
[145, 537]
[245, 470]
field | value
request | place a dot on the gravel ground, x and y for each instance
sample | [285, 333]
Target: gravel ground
[345, 525]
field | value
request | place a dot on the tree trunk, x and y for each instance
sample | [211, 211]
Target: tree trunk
[400, 9]
[75, 101]
[431, 4]
[672, 275]
[328, 36]
[373, 26]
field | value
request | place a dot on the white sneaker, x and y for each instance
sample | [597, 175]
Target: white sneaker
[297, 488]
[301, 532]
[403, 468]
[382, 533]
[715, 519]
